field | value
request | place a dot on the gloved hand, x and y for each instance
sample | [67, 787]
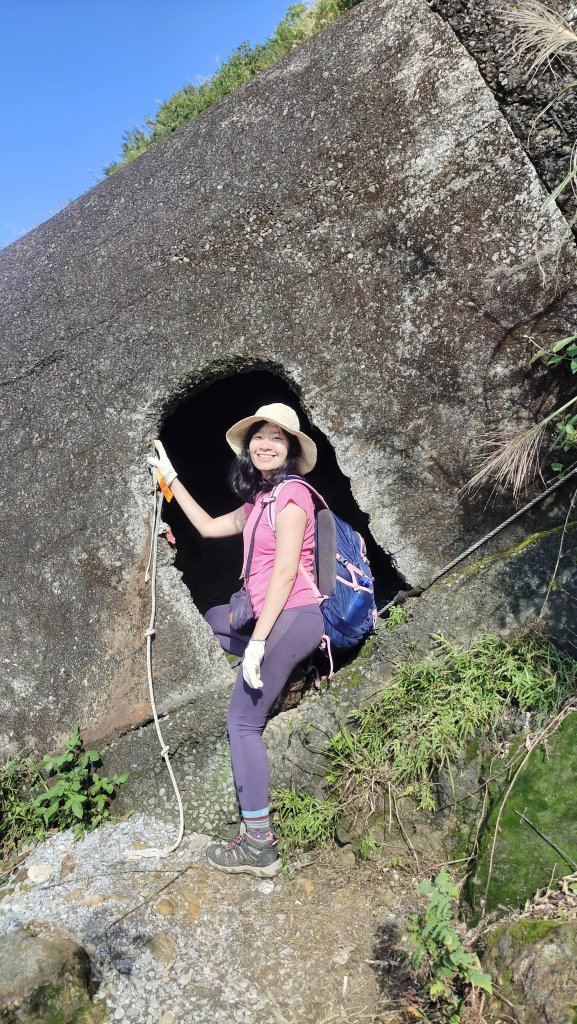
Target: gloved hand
[251, 663]
[162, 463]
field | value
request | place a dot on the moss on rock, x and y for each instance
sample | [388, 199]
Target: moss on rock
[546, 794]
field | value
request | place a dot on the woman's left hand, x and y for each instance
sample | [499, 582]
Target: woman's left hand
[251, 662]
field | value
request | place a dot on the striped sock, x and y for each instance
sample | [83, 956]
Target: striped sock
[257, 824]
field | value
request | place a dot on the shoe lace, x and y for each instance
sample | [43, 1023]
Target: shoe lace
[235, 842]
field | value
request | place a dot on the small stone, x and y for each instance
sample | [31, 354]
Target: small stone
[162, 946]
[94, 899]
[341, 956]
[68, 866]
[345, 857]
[305, 886]
[165, 907]
[168, 1017]
[40, 873]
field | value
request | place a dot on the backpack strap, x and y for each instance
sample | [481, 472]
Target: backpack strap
[271, 509]
[271, 515]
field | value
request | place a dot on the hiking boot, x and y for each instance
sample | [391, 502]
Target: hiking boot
[245, 856]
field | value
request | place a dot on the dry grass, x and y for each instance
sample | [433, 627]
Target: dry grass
[543, 35]
[513, 462]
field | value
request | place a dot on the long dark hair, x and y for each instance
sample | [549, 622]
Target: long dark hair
[247, 481]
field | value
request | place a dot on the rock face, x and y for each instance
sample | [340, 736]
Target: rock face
[43, 977]
[360, 221]
[533, 964]
[487, 30]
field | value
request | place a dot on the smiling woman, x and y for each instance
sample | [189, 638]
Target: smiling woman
[283, 625]
[268, 448]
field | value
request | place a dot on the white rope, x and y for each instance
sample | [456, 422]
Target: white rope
[150, 574]
[415, 591]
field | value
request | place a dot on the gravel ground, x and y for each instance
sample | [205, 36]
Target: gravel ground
[487, 32]
[175, 941]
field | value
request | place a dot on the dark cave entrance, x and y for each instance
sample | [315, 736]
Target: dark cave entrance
[194, 437]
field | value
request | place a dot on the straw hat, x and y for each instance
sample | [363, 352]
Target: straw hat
[284, 417]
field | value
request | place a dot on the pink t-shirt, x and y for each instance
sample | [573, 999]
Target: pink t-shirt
[265, 547]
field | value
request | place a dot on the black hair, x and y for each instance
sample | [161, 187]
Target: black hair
[247, 481]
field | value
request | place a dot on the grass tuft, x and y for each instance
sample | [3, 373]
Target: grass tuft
[542, 34]
[423, 720]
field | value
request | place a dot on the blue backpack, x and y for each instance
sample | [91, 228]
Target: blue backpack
[343, 574]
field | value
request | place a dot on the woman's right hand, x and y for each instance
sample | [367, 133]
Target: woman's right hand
[162, 463]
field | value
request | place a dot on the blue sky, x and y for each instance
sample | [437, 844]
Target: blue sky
[76, 74]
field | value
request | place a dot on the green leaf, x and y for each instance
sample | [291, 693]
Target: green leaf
[538, 355]
[77, 806]
[75, 740]
[557, 467]
[438, 989]
[480, 979]
[560, 345]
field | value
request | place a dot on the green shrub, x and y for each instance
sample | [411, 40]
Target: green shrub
[450, 971]
[65, 792]
[398, 615]
[303, 821]
[421, 724]
[300, 23]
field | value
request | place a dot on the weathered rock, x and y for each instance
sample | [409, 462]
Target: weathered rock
[359, 220]
[532, 963]
[488, 31]
[44, 977]
[544, 795]
[299, 947]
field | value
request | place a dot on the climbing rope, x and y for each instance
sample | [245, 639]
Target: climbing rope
[417, 590]
[150, 574]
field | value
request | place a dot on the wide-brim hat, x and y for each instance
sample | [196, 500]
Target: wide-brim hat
[284, 417]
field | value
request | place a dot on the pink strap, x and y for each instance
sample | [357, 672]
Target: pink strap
[271, 510]
[271, 513]
[320, 597]
[325, 644]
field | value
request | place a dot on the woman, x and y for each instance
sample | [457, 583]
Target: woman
[288, 622]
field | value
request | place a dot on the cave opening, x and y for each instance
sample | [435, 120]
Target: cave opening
[194, 437]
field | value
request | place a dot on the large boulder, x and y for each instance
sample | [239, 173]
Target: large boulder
[359, 220]
[532, 963]
[44, 977]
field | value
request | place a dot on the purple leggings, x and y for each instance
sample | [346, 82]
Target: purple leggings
[295, 634]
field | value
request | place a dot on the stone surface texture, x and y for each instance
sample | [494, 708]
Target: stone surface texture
[44, 977]
[533, 965]
[174, 941]
[359, 219]
[488, 30]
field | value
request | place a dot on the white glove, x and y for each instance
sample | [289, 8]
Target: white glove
[162, 463]
[251, 662]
